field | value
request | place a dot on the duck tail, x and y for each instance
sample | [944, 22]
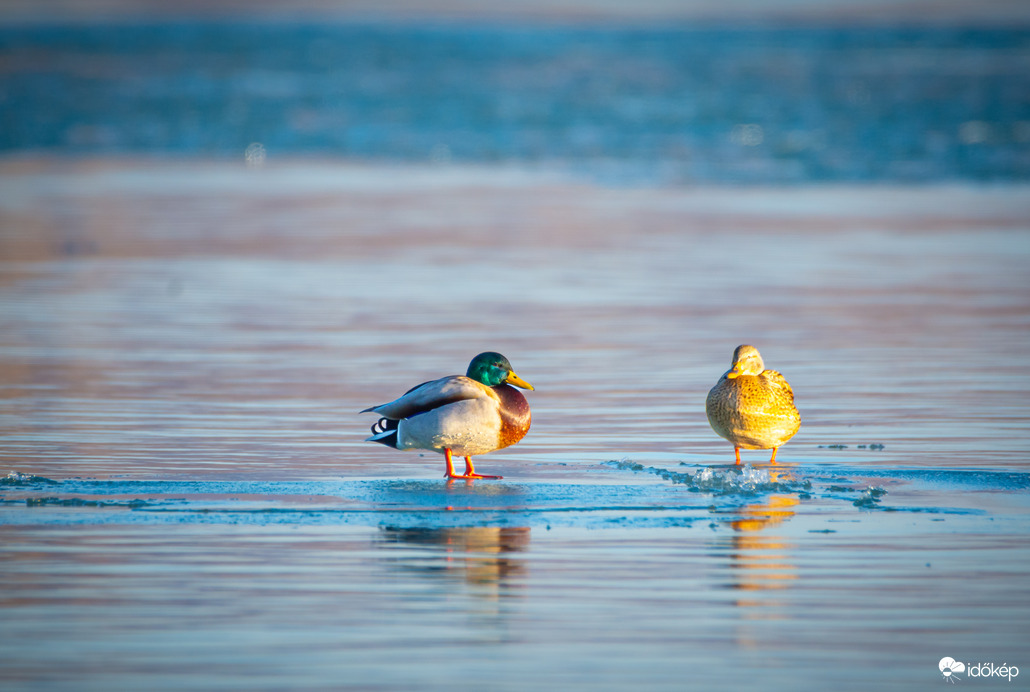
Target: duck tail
[384, 432]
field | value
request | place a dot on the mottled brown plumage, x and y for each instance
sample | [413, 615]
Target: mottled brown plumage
[752, 407]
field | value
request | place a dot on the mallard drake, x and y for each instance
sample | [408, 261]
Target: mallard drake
[752, 407]
[469, 414]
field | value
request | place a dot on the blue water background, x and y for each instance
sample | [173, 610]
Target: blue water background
[670, 104]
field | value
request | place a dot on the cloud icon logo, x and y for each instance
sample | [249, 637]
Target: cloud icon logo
[950, 666]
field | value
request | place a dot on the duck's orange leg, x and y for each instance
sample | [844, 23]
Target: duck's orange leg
[772, 462]
[450, 464]
[470, 471]
[736, 451]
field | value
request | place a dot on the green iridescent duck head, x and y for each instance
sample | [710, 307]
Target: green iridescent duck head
[492, 369]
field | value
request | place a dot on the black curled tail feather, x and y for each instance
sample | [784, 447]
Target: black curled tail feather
[384, 431]
[383, 425]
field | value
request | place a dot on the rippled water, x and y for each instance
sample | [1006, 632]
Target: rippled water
[185, 346]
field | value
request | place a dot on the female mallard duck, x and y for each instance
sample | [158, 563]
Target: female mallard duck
[467, 415]
[752, 407]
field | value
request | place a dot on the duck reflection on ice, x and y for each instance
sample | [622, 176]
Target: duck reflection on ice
[482, 556]
[760, 565]
[760, 560]
[760, 516]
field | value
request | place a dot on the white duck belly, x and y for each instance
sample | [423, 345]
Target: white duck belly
[468, 428]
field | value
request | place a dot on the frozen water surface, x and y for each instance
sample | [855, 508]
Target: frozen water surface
[186, 499]
[718, 577]
[190, 502]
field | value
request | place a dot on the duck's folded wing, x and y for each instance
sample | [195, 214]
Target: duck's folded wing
[779, 382]
[430, 395]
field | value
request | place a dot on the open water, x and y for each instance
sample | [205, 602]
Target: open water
[678, 103]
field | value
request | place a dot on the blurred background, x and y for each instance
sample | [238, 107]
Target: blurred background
[655, 92]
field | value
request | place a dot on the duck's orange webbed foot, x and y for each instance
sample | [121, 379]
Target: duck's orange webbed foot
[470, 470]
